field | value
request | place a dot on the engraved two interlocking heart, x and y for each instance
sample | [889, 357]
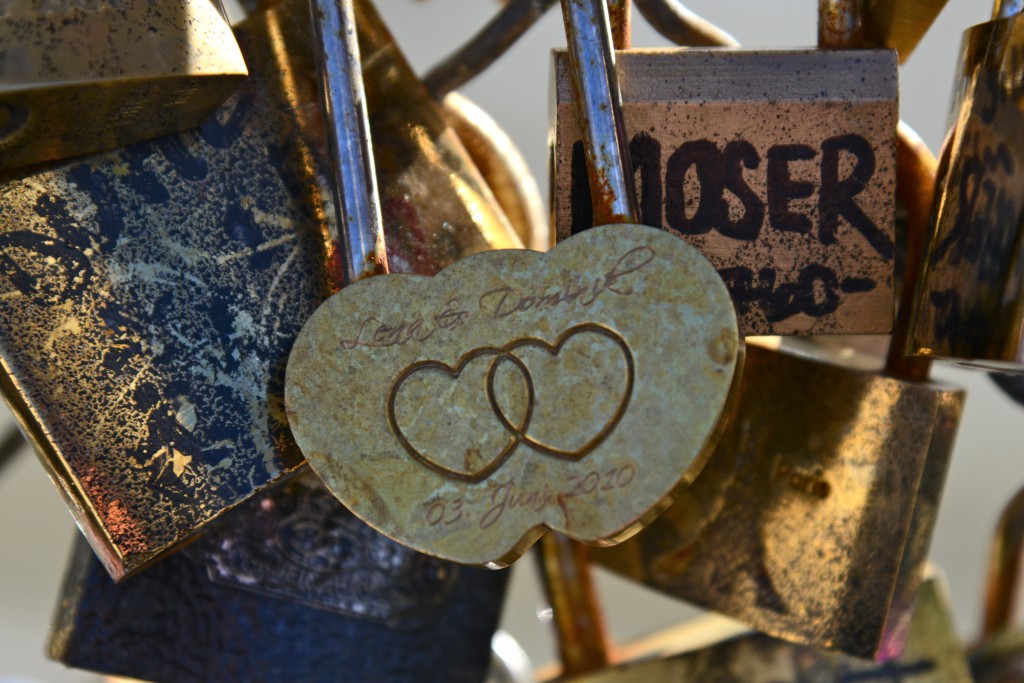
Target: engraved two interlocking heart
[463, 414]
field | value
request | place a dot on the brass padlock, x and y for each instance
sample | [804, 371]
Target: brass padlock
[295, 589]
[150, 294]
[899, 24]
[998, 657]
[682, 653]
[969, 308]
[79, 76]
[797, 218]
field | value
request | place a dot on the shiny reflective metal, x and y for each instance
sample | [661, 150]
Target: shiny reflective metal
[816, 535]
[395, 615]
[899, 24]
[509, 662]
[998, 657]
[357, 235]
[503, 168]
[149, 296]
[970, 308]
[79, 76]
[933, 654]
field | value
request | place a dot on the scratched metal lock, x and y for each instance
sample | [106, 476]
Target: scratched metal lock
[291, 587]
[969, 307]
[999, 655]
[933, 654]
[779, 166]
[150, 294]
[818, 534]
[79, 76]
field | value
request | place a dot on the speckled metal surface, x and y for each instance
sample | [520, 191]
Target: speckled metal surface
[79, 76]
[816, 535]
[172, 624]
[970, 307]
[149, 296]
[780, 166]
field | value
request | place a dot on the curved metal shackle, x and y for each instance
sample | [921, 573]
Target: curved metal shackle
[678, 24]
[840, 23]
[589, 38]
[1004, 568]
[357, 237]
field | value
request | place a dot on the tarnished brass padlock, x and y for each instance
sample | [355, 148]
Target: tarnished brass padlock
[999, 656]
[79, 76]
[970, 308]
[797, 218]
[933, 654]
[149, 296]
[899, 24]
[294, 589]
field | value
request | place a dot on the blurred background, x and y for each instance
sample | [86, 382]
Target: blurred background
[36, 529]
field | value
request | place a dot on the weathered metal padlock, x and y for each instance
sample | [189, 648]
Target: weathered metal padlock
[899, 24]
[784, 180]
[969, 307]
[999, 655]
[80, 76]
[933, 654]
[822, 540]
[391, 614]
[150, 295]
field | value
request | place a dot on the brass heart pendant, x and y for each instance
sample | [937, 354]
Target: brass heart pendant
[482, 457]
[465, 413]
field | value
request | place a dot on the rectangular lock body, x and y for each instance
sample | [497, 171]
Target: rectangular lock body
[325, 598]
[80, 76]
[816, 535]
[933, 654]
[779, 166]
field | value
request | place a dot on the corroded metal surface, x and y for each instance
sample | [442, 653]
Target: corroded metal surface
[79, 76]
[793, 203]
[172, 623]
[503, 169]
[149, 296]
[970, 308]
[513, 392]
[811, 534]
[933, 655]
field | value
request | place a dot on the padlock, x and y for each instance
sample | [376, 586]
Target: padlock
[779, 166]
[817, 534]
[998, 657]
[683, 653]
[80, 76]
[393, 615]
[899, 24]
[150, 294]
[969, 307]
[464, 451]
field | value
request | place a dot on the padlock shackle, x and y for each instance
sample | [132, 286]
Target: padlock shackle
[681, 26]
[588, 34]
[1004, 568]
[1004, 9]
[840, 23]
[620, 14]
[579, 623]
[357, 236]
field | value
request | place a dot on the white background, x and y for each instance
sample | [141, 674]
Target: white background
[36, 531]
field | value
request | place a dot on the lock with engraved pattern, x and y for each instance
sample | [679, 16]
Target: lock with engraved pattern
[80, 76]
[144, 356]
[969, 309]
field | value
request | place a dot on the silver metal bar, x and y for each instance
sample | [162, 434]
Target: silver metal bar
[681, 26]
[360, 230]
[589, 37]
[1007, 8]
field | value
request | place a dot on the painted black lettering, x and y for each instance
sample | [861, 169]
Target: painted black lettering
[582, 206]
[645, 153]
[712, 211]
[838, 197]
[740, 154]
[782, 189]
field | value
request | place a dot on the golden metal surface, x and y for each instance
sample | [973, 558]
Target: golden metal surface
[970, 307]
[503, 169]
[803, 240]
[933, 655]
[899, 24]
[801, 532]
[82, 76]
[149, 296]
[400, 396]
